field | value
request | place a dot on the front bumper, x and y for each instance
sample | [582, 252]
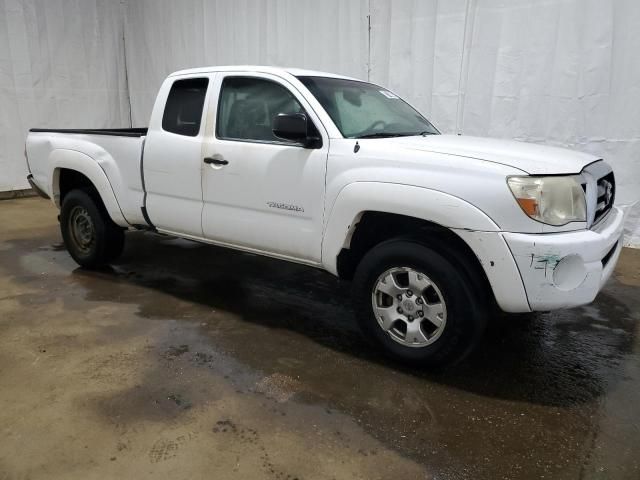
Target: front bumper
[561, 270]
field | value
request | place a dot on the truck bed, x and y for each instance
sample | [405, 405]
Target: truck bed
[116, 151]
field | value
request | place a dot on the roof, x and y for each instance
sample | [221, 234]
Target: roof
[280, 71]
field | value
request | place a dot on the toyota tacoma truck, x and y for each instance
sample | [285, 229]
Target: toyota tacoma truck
[343, 175]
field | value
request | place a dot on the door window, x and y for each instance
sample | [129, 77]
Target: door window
[248, 106]
[183, 110]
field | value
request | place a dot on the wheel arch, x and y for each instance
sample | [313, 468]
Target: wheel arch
[73, 169]
[357, 199]
[374, 228]
[366, 214]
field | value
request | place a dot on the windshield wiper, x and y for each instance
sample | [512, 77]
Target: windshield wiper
[384, 135]
[396, 134]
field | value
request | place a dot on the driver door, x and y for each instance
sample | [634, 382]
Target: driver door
[262, 193]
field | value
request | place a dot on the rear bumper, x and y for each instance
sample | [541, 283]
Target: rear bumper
[36, 188]
[568, 269]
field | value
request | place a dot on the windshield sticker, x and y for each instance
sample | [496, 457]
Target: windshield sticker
[388, 94]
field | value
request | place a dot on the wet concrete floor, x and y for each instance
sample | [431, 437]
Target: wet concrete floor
[189, 361]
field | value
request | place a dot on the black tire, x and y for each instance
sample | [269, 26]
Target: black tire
[466, 312]
[101, 241]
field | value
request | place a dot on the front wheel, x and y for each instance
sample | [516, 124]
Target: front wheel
[417, 305]
[91, 237]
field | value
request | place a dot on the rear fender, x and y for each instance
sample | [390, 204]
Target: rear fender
[84, 164]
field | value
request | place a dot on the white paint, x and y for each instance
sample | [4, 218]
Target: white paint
[569, 272]
[111, 163]
[455, 182]
[241, 199]
[538, 255]
[172, 173]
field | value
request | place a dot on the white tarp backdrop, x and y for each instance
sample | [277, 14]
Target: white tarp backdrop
[561, 72]
[61, 65]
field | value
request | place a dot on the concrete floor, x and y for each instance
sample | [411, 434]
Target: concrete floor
[188, 361]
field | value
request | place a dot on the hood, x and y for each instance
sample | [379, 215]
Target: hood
[531, 158]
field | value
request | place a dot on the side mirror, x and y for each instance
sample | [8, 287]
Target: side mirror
[295, 127]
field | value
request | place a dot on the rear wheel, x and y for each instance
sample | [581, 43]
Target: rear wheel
[416, 305]
[91, 237]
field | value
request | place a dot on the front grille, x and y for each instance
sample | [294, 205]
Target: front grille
[606, 192]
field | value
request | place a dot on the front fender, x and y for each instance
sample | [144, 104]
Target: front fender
[83, 163]
[423, 203]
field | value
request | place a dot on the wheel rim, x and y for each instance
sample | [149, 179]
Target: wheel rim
[82, 229]
[409, 307]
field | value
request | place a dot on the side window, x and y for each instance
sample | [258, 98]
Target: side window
[248, 106]
[183, 110]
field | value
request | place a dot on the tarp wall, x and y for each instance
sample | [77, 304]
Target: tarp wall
[167, 35]
[61, 65]
[560, 72]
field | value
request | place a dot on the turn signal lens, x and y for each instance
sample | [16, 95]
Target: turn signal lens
[555, 200]
[529, 205]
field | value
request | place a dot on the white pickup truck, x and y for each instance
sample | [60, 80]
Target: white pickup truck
[344, 175]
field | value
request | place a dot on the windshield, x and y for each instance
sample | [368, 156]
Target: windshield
[364, 110]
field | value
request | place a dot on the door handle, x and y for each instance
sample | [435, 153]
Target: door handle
[216, 161]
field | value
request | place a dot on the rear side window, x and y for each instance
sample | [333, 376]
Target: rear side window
[183, 111]
[248, 106]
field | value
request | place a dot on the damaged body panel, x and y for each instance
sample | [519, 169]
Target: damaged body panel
[499, 266]
[567, 269]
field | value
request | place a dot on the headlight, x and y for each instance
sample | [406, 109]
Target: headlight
[552, 200]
